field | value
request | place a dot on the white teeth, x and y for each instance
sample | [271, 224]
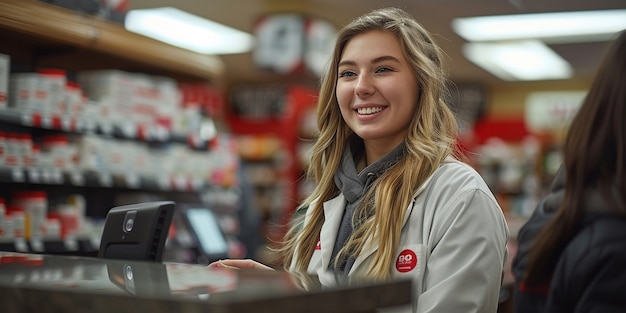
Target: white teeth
[367, 111]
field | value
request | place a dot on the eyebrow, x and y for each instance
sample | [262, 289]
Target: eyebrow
[374, 61]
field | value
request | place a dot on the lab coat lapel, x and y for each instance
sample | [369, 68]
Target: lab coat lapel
[372, 245]
[333, 212]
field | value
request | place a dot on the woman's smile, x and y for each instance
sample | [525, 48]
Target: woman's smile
[369, 110]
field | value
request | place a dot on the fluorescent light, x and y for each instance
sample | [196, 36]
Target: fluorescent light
[579, 26]
[518, 60]
[188, 31]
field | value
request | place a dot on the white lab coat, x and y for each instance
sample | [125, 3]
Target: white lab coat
[453, 244]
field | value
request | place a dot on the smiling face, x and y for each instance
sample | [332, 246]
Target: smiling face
[376, 90]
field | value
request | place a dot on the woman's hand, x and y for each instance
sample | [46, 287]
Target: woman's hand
[240, 264]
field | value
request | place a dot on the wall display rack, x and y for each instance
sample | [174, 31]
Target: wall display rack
[38, 35]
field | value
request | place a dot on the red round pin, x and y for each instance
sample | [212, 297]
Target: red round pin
[406, 261]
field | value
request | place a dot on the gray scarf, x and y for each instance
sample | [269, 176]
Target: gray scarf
[353, 186]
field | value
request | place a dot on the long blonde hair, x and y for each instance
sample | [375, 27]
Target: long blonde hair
[429, 140]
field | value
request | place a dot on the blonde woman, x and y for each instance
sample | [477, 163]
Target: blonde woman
[391, 200]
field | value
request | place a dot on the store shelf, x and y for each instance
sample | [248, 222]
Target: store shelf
[75, 246]
[57, 35]
[70, 124]
[38, 35]
[99, 180]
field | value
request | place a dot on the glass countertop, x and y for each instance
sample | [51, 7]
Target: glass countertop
[69, 276]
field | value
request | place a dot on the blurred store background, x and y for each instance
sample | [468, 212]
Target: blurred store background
[96, 114]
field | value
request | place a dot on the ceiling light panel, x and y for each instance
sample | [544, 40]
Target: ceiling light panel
[558, 27]
[188, 31]
[518, 60]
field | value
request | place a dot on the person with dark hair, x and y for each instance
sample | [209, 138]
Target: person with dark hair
[572, 251]
[391, 200]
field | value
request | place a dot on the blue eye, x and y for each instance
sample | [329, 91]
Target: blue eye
[346, 74]
[383, 69]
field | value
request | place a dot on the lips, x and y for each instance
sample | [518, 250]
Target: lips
[369, 110]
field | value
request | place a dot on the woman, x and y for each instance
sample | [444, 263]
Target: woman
[572, 251]
[391, 201]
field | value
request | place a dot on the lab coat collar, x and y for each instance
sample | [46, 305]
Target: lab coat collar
[333, 210]
[372, 245]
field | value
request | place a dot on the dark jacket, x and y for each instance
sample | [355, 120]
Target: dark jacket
[591, 273]
[534, 300]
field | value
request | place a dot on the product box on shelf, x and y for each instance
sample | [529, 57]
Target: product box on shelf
[35, 207]
[4, 79]
[55, 81]
[141, 105]
[31, 92]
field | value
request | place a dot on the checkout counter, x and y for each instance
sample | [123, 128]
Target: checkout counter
[47, 283]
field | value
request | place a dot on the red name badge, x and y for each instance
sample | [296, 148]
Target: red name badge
[406, 261]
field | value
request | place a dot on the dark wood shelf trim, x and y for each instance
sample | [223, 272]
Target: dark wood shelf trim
[41, 20]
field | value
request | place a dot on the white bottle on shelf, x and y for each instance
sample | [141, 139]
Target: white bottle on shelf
[55, 80]
[16, 220]
[28, 92]
[35, 206]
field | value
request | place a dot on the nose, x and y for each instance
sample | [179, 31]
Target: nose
[364, 86]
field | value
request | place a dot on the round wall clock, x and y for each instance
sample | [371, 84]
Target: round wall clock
[280, 43]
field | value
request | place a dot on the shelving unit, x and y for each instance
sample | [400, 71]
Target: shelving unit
[37, 35]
